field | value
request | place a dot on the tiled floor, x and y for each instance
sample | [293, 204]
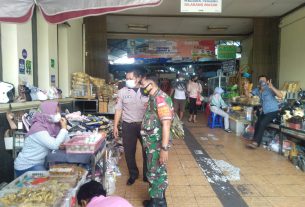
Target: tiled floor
[266, 179]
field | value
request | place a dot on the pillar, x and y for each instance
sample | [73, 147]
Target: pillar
[96, 55]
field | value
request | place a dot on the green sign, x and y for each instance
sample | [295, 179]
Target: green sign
[28, 66]
[225, 52]
[52, 63]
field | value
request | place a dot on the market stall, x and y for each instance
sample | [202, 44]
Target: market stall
[91, 153]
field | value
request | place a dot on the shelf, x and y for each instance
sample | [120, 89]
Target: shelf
[29, 105]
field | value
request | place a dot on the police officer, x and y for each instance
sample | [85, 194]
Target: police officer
[156, 138]
[131, 106]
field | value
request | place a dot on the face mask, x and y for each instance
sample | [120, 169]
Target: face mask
[131, 83]
[56, 118]
[181, 79]
[144, 90]
[262, 83]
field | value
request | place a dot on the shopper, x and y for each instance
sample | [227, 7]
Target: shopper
[48, 131]
[131, 106]
[266, 92]
[156, 138]
[217, 105]
[194, 89]
[92, 194]
[180, 93]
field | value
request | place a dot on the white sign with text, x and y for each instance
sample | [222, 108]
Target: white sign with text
[208, 6]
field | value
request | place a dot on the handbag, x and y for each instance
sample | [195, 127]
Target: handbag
[198, 100]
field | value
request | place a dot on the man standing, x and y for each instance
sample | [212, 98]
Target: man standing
[266, 92]
[156, 138]
[131, 106]
[179, 92]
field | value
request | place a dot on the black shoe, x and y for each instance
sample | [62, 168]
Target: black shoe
[131, 181]
[155, 202]
[146, 203]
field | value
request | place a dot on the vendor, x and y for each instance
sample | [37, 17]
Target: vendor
[217, 105]
[48, 132]
[266, 92]
[92, 194]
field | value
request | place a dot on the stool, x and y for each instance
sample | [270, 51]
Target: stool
[215, 121]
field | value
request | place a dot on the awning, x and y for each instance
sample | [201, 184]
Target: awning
[58, 11]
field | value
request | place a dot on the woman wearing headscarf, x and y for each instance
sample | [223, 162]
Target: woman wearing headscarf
[47, 133]
[217, 105]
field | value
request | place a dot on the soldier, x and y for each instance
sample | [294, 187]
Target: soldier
[156, 138]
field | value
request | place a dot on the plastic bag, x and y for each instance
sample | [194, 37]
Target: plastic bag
[249, 132]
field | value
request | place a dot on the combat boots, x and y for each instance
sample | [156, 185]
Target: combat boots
[155, 202]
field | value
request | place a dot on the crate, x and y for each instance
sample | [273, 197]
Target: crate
[77, 145]
[237, 126]
[103, 107]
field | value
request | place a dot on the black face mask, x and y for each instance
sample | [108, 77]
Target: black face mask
[144, 90]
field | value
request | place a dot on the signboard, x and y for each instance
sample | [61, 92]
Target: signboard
[24, 54]
[208, 6]
[225, 52]
[28, 66]
[153, 48]
[52, 63]
[21, 66]
[53, 79]
[229, 66]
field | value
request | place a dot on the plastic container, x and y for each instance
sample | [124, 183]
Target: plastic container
[78, 145]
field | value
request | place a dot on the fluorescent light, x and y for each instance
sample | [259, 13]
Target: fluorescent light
[217, 28]
[138, 27]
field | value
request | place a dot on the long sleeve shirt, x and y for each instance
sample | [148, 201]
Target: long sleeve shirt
[194, 88]
[36, 148]
[216, 100]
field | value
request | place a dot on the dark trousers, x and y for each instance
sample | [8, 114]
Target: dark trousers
[193, 106]
[261, 125]
[131, 132]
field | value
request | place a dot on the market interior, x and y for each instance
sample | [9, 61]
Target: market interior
[82, 87]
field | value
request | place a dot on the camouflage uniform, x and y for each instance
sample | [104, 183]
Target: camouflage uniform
[160, 107]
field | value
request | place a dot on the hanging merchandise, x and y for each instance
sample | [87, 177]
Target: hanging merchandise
[7, 92]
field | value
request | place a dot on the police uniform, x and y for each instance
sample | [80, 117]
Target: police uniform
[160, 107]
[133, 106]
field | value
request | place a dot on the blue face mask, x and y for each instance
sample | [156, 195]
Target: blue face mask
[262, 84]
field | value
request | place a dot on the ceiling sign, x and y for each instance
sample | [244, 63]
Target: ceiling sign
[208, 6]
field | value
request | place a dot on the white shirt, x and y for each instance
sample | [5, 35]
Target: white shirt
[179, 94]
[132, 103]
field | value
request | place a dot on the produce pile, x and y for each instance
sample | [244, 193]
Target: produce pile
[45, 195]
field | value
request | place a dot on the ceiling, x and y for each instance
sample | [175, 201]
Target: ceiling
[166, 19]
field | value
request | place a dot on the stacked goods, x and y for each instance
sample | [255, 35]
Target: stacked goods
[292, 88]
[81, 85]
[98, 85]
[86, 143]
[295, 122]
[48, 194]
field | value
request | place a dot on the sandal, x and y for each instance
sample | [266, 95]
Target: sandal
[252, 145]
[228, 130]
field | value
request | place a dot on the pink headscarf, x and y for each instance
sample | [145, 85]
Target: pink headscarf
[41, 120]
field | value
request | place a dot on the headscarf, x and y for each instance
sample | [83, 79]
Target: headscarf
[41, 120]
[218, 90]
